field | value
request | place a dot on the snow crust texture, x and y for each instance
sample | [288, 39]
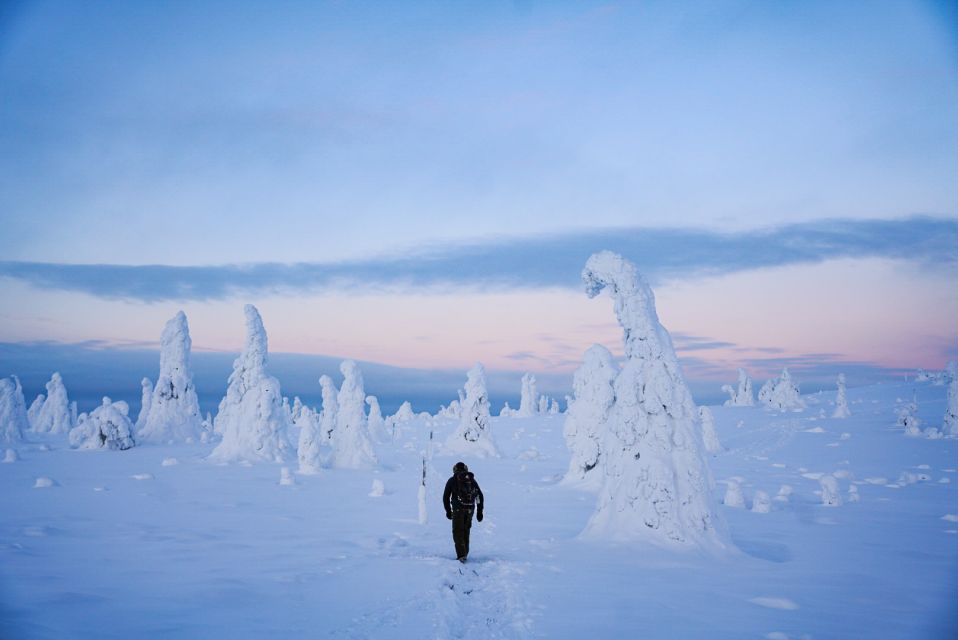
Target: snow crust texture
[251, 416]
[657, 486]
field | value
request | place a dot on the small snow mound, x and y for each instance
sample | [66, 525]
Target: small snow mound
[853, 494]
[378, 490]
[815, 430]
[529, 454]
[44, 482]
[846, 436]
[10, 456]
[761, 503]
[830, 495]
[142, 476]
[774, 603]
[733, 496]
[813, 476]
[776, 635]
[170, 462]
[879, 480]
[783, 493]
[285, 477]
[950, 517]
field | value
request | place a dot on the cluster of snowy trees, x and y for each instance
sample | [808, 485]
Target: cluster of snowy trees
[531, 403]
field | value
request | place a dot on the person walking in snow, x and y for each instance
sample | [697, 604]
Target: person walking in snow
[461, 497]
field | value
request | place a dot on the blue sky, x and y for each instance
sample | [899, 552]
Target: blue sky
[370, 173]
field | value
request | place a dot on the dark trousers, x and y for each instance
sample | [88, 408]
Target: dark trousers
[461, 524]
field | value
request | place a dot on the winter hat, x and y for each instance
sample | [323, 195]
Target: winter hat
[460, 467]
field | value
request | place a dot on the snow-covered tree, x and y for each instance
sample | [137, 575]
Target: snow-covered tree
[174, 414]
[950, 423]
[452, 412]
[308, 449]
[34, 410]
[146, 399]
[327, 419]
[594, 395]
[54, 414]
[350, 439]
[375, 422]
[507, 411]
[403, 415]
[841, 400]
[908, 418]
[544, 402]
[658, 486]
[709, 436]
[742, 396]
[297, 410]
[554, 409]
[781, 394]
[13, 411]
[251, 416]
[528, 401]
[474, 434]
[107, 427]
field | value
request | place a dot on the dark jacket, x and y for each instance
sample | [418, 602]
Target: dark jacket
[451, 501]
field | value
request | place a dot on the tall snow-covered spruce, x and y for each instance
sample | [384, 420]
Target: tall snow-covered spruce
[474, 433]
[54, 415]
[742, 396]
[174, 412]
[528, 400]
[251, 416]
[13, 411]
[841, 400]
[657, 487]
[352, 448]
[594, 396]
[327, 418]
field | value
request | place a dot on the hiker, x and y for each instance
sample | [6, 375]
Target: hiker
[461, 497]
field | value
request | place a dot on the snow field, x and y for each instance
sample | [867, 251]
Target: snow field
[198, 549]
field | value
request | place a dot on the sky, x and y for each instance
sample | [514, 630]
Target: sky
[417, 185]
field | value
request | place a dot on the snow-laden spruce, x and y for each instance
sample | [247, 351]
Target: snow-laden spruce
[54, 414]
[950, 423]
[174, 414]
[658, 486]
[473, 436]
[586, 417]
[34, 410]
[742, 396]
[841, 400]
[327, 418]
[375, 422]
[13, 411]
[146, 399]
[350, 439]
[709, 435]
[529, 398]
[781, 394]
[308, 449]
[251, 416]
[403, 415]
[107, 427]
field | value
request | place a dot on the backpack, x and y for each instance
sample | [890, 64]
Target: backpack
[466, 489]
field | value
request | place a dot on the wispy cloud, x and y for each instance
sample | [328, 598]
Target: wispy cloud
[509, 263]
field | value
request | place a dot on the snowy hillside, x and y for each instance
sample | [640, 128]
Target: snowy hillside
[157, 541]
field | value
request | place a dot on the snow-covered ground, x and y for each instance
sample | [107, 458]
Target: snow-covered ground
[157, 541]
